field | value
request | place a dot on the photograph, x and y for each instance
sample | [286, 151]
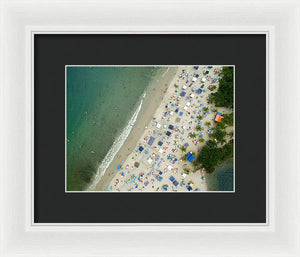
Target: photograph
[150, 128]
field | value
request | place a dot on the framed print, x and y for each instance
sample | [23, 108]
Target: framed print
[168, 135]
[132, 124]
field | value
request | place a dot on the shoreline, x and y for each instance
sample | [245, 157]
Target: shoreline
[154, 96]
[221, 170]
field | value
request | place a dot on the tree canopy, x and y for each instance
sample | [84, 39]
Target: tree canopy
[211, 156]
[228, 119]
[224, 96]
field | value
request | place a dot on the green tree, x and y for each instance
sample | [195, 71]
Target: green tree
[199, 128]
[211, 144]
[205, 109]
[224, 95]
[193, 135]
[220, 126]
[183, 149]
[184, 158]
[200, 117]
[195, 165]
[202, 140]
[207, 123]
[187, 171]
[228, 119]
[211, 99]
[211, 156]
[219, 135]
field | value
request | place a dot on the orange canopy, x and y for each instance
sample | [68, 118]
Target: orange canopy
[218, 118]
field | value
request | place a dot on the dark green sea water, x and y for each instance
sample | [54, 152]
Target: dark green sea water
[222, 179]
[99, 103]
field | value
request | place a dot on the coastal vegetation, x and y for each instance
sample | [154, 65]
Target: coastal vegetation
[183, 149]
[218, 134]
[184, 158]
[201, 140]
[212, 87]
[228, 119]
[193, 135]
[219, 148]
[211, 155]
[205, 109]
[224, 95]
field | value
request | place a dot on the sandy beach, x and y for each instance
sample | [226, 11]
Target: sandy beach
[151, 158]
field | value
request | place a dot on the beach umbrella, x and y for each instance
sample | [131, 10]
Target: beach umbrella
[118, 167]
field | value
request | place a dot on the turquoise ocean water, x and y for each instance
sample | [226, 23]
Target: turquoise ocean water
[222, 179]
[99, 103]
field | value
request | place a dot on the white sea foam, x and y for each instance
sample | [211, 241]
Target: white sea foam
[116, 146]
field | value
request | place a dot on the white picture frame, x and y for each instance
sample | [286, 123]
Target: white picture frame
[279, 20]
